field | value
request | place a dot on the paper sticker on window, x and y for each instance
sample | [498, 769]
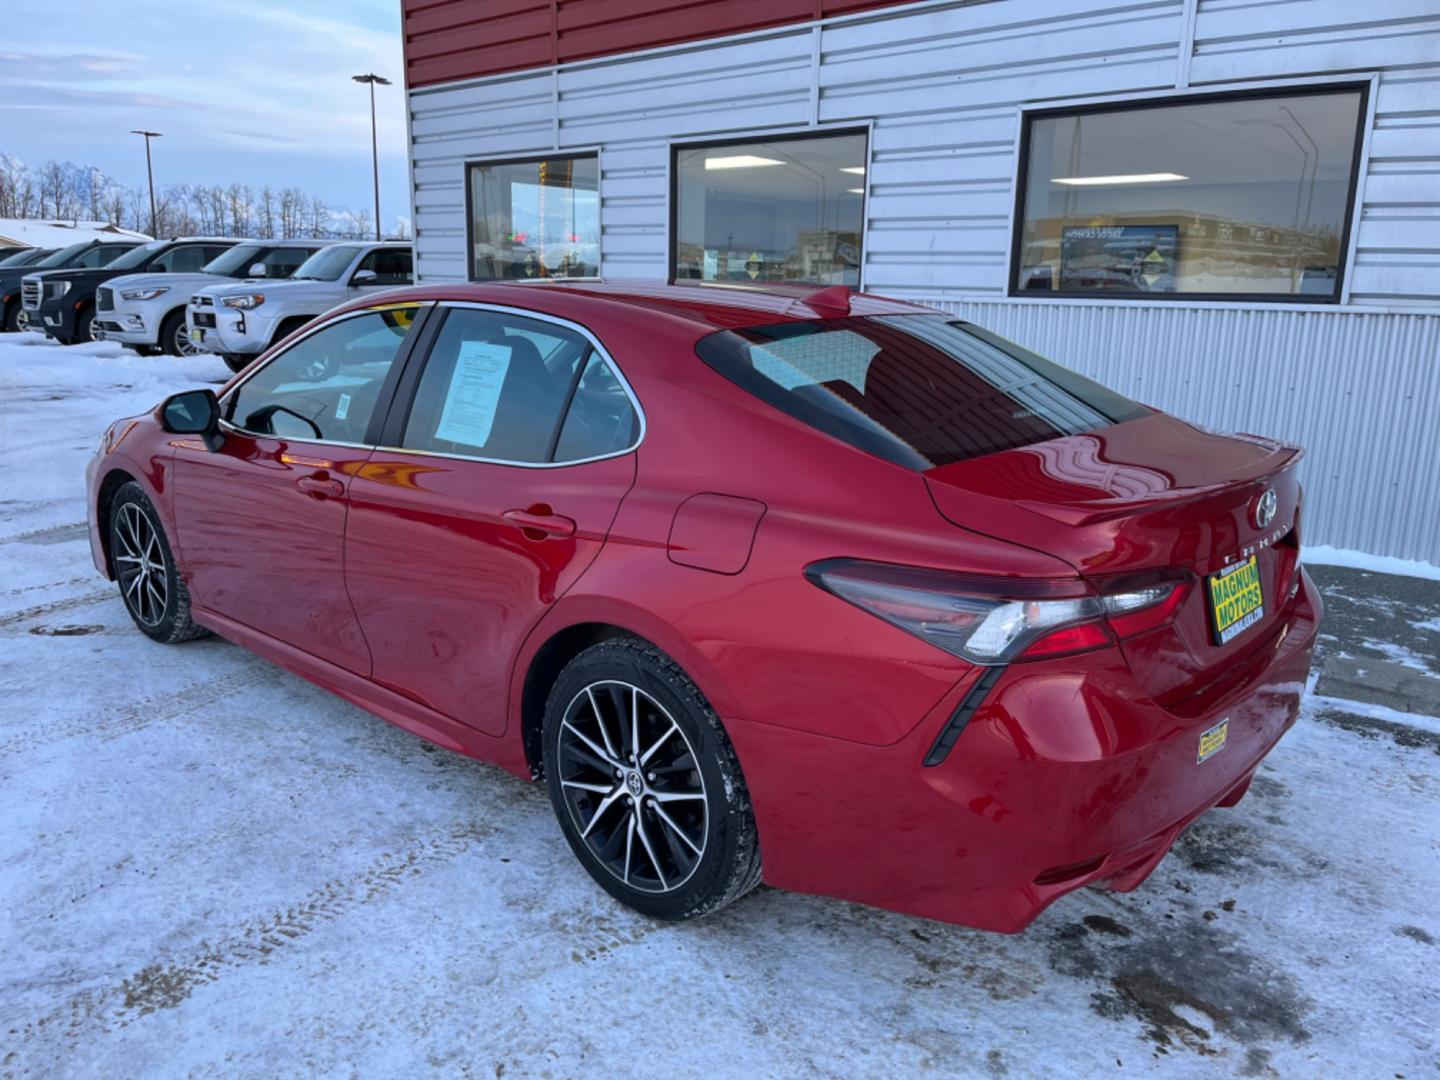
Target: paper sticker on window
[342, 410]
[469, 411]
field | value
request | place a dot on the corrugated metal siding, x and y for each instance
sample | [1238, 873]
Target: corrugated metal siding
[942, 85]
[1361, 392]
[450, 40]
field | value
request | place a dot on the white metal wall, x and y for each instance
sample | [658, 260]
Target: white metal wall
[942, 84]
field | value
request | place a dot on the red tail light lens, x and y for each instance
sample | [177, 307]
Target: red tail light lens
[1138, 604]
[983, 620]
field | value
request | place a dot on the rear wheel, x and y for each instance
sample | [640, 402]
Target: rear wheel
[175, 336]
[145, 570]
[10, 322]
[235, 362]
[646, 785]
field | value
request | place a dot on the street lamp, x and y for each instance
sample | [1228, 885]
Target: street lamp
[150, 174]
[372, 79]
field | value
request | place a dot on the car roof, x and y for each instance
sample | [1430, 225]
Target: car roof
[717, 307]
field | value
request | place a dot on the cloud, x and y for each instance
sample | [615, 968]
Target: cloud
[71, 67]
[259, 92]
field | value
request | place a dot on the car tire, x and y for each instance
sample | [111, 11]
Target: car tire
[235, 362]
[84, 328]
[10, 322]
[175, 337]
[144, 567]
[663, 822]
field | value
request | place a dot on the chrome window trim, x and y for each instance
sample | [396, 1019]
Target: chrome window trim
[600, 350]
[321, 324]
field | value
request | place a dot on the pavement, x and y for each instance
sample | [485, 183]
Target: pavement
[211, 868]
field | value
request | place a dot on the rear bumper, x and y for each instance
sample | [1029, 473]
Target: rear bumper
[1066, 776]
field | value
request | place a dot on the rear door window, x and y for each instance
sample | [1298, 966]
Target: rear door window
[919, 390]
[495, 386]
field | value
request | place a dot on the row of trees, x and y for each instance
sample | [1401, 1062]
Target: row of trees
[64, 191]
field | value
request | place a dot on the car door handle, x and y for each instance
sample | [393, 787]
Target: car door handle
[546, 524]
[321, 487]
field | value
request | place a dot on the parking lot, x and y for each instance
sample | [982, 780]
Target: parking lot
[208, 865]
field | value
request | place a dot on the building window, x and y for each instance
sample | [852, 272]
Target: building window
[535, 219]
[1237, 196]
[782, 209]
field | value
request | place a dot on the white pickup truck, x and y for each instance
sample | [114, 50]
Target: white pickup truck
[241, 321]
[148, 314]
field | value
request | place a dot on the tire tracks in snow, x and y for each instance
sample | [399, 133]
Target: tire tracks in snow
[139, 713]
[168, 982]
[51, 534]
[54, 607]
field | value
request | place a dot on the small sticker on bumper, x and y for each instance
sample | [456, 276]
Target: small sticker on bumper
[1212, 741]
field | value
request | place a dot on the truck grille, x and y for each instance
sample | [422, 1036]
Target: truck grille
[30, 295]
[201, 301]
[204, 318]
[105, 300]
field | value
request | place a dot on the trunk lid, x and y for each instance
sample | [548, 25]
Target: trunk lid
[1150, 494]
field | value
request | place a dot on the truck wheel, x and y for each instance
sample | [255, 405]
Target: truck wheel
[84, 328]
[10, 324]
[175, 336]
[235, 362]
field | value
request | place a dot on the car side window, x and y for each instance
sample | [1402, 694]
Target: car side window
[324, 387]
[601, 419]
[392, 266]
[182, 260]
[103, 256]
[494, 386]
[282, 262]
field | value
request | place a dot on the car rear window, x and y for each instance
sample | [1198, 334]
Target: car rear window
[919, 390]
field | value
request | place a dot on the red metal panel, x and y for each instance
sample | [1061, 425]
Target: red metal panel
[449, 40]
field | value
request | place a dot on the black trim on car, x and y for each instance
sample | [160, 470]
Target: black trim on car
[955, 726]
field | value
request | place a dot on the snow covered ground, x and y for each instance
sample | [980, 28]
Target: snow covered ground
[210, 867]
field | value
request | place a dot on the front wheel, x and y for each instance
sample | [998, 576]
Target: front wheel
[175, 336]
[236, 363]
[645, 784]
[84, 328]
[144, 567]
[10, 321]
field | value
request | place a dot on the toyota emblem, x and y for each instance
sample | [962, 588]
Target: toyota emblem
[1263, 511]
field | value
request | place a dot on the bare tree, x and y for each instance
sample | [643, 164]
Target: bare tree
[267, 213]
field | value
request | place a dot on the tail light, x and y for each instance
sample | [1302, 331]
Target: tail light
[993, 621]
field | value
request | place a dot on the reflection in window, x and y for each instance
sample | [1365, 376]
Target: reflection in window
[771, 211]
[1238, 195]
[535, 219]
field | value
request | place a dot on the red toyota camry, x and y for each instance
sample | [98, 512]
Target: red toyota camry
[841, 593]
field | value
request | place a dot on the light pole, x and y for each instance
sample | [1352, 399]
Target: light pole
[150, 175]
[372, 79]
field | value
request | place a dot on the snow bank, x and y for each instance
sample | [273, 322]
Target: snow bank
[1324, 555]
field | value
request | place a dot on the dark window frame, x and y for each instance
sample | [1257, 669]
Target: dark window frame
[1022, 172]
[741, 139]
[567, 154]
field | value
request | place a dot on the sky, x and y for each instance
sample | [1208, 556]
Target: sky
[256, 92]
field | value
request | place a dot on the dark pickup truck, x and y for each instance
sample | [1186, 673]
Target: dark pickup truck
[13, 269]
[61, 302]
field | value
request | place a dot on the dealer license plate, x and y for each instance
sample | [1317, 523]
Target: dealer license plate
[1236, 603]
[197, 335]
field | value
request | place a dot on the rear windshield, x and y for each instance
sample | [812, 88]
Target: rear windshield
[919, 390]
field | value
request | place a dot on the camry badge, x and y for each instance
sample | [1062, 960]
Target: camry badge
[1263, 512]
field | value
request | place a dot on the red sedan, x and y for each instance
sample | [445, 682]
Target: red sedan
[843, 593]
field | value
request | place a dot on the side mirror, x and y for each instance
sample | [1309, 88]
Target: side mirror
[193, 412]
[364, 277]
[256, 270]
